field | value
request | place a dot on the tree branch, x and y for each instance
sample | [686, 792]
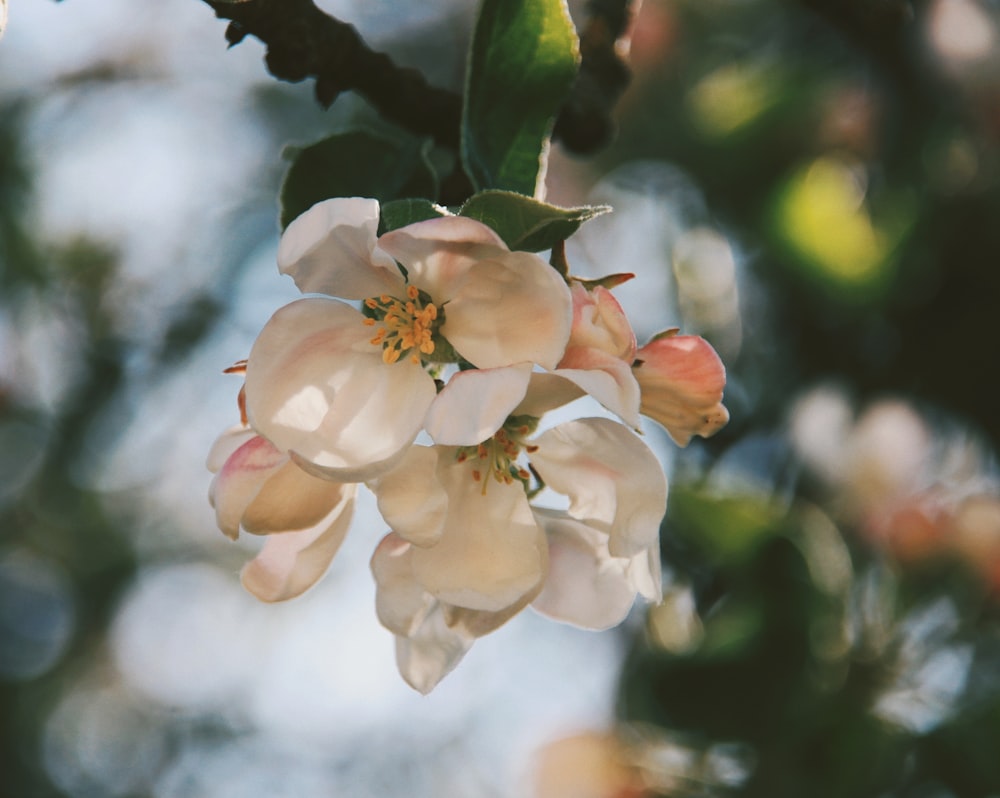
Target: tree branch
[304, 42]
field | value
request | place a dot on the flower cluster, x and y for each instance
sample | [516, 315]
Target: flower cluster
[421, 365]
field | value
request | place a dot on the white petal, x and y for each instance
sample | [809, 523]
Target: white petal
[492, 552]
[475, 403]
[509, 309]
[477, 623]
[585, 585]
[438, 253]
[547, 392]
[608, 379]
[411, 499]
[240, 479]
[227, 443]
[331, 249]
[291, 563]
[400, 602]
[645, 572]
[431, 652]
[290, 500]
[614, 482]
[318, 389]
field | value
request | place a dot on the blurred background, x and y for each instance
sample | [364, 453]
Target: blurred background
[814, 186]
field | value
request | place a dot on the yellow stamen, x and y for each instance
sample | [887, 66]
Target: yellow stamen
[406, 326]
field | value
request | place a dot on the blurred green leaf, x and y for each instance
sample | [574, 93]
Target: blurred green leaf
[527, 224]
[356, 164]
[400, 213]
[522, 63]
[726, 529]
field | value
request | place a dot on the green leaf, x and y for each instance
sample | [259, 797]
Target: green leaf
[400, 213]
[522, 62]
[356, 164]
[527, 224]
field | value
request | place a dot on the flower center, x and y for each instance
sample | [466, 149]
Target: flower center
[497, 457]
[403, 325]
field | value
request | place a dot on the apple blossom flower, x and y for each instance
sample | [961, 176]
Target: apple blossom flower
[260, 490]
[345, 391]
[467, 551]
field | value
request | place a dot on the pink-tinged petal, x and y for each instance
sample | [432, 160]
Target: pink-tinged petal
[411, 499]
[331, 249]
[607, 378]
[291, 563]
[613, 480]
[400, 602]
[437, 253]
[431, 652]
[492, 552]
[682, 379]
[290, 500]
[585, 585]
[547, 392]
[319, 390]
[510, 309]
[241, 479]
[475, 403]
[599, 322]
[227, 443]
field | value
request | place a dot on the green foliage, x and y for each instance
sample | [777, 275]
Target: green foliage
[400, 213]
[527, 224]
[521, 65]
[356, 164]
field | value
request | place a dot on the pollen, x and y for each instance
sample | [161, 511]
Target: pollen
[497, 457]
[404, 326]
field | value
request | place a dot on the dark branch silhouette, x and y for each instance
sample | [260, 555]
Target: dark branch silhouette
[304, 42]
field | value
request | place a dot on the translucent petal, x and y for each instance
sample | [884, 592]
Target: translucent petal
[599, 322]
[411, 499]
[682, 378]
[547, 392]
[510, 309]
[227, 443]
[400, 602]
[240, 480]
[585, 585]
[431, 652]
[492, 552]
[290, 500]
[607, 378]
[613, 480]
[475, 403]
[318, 389]
[478, 623]
[331, 249]
[438, 253]
[291, 563]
